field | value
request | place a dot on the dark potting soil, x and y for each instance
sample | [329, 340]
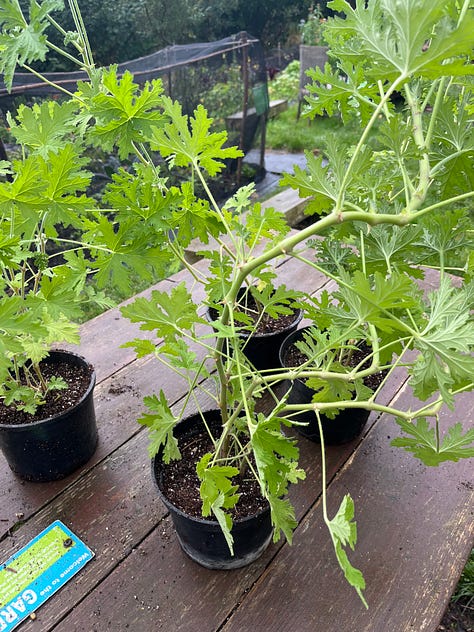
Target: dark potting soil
[267, 324]
[294, 357]
[77, 378]
[180, 482]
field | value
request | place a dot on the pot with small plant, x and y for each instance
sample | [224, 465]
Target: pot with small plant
[266, 317]
[47, 420]
[300, 351]
[53, 240]
[389, 209]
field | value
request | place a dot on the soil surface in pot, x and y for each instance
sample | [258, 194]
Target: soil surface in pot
[267, 324]
[180, 483]
[77, 378]
[294, 357]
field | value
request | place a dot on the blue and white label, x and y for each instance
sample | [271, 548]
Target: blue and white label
[37, 571]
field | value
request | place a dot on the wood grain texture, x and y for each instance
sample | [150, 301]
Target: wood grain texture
[112, 508]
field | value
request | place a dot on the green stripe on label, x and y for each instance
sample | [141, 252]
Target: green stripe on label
[26, 568]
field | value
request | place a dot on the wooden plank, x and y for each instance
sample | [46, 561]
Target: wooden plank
[102, 336]
[415, 533]
[112, 508]
[118, 403]
[276, 106]
[290, 204]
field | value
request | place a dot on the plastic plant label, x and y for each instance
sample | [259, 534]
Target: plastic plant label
[37, 571]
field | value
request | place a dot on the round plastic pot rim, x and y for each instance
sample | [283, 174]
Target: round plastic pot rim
[204, 521]
[52, 418]
[298, 315]
[155, 465]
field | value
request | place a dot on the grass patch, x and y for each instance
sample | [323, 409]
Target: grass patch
[287, 133]
[465, 587]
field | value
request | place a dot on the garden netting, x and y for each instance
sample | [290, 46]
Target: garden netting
[227, 76]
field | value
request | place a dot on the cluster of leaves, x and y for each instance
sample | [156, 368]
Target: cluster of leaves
[312, 29]
[285, 84]
[44, 275]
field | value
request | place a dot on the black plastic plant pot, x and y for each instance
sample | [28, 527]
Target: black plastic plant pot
[202, 539]
[346, 425]
[52, 448]
[262, 348]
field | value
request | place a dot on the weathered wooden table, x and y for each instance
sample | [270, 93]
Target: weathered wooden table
[415, 524]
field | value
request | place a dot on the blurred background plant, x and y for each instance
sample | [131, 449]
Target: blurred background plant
[312, 29]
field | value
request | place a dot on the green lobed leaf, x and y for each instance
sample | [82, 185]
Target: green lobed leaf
[218, 493]
[344, 533]
[182, 358]
[165, 312]
[142, 195]
[188, 140]
[194, 218]
[44, 127]
[422, 441]
[124, 113]
[274, 454]
[403, 38]
[447, 238]
[120, 250]
[23, 41]
[374, 300]
[160, 423]
[283, 518]
[216, 481]
[314, 181]
[445, 361]
[141, 346]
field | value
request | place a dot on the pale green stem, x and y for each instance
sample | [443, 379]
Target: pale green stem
[434, 114]
[419, 195]
[189, 267]
[59, 28]
[464, 10]
[362, 252]
[215, 205]
[139, 155]
[457, 198]
[64, 53]
[323, 470]
[363, 138]
[81, 29]
[51, 83]
[429, 410]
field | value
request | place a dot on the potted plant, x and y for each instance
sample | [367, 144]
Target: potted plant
[47, 420]
[266, 316]
[387, 213]
[307, 349]
[53, 239]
